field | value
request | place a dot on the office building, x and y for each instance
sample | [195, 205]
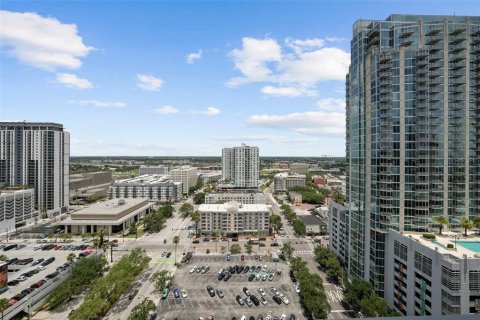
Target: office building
[428, 278]
[37, 154]
[240, 166]
[209, 176]
[243, 198]
[16, 208]
[413, 127]
[113, 216]
[299, 168]
[85, 185]
[158, 188]
[234, 218]
[152, 170]
[186, 175]
[338, 231]
[284, 181]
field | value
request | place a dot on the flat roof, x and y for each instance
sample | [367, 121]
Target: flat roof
[448, 237]
[309, 219]
[111, 207]
[239, 207]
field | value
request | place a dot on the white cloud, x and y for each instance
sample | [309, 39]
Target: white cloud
[99, 104]
[211, 111]
[251, 60]
[166, 110]
[312, 123]
[192, 57]
[41, 42]
[302, 63]
[268, 138]
[148, 82]
[331, 104]
[287, 91]
[72, 81]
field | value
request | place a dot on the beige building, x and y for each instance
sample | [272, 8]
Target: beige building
[113, 216]
[284, 181]
[187, 175]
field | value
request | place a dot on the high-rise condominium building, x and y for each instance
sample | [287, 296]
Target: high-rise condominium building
[240, 166]
[186, 175]
[413, 130]
[37, 154]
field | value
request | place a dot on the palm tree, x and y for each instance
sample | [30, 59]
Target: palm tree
[466, 224]
[441, 221]
[176, 240]
[476, 223]
[71, 256]
[196, 218]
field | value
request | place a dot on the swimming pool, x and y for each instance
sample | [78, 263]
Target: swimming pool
[438, 244]
[470, 245]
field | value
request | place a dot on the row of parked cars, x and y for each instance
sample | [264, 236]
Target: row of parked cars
[51, 246]
[251, 299]
[41, 265]
[8, 247]
[268, 317]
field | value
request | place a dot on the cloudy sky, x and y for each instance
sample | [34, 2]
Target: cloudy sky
[187, 78]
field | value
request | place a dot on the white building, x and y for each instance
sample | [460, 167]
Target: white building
[284, 180]
[338, 231]
[154, 187]
[152, 170]
[113, 216]
[243, 198]
[241, 166]
[16, 208]
[208, 176]
[425, 277]
[234, 218]
[37, 154]
[299, 168]
[187, 175]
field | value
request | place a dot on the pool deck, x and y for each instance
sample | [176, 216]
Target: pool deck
[446, 238]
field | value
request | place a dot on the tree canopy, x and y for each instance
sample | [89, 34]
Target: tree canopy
[199, 198]
[141, 310]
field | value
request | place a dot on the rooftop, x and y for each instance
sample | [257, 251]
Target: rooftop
[290, 175]
[110, 207]
[233, 205]
[146, 179]
[309, 219]
[458, 240]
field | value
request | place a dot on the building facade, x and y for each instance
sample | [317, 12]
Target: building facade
[427, 278]
[157, 188]
[152, 170]
[313, 224]
[16, 208]
[84, 185]
[413, 126]
[284, 181]
[241, 166]
[338, 231]
[37, 155]
[186, 175]
[243, 198]
[299, 168]
[234, 218]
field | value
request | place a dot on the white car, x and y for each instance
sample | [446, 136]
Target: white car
[274, 290]
[268, 317]
[244, 317]
[262, 293]
[193, 269]
[283, 317]
[220, 271]
[22, 278]
[265, 268]
[184, 294]
[285, 300]
[263, 300]
[297, 289]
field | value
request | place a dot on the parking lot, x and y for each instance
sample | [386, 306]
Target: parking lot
[198, 302]
[16, 271]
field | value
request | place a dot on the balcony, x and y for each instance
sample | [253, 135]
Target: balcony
[457, 39]
[385, 82]
[457, 47]
[458, 65]
[384, 58]
[385, 66]
[457, 58]
[435, 30]
[421, 62]
[421, 88]
[436, 47]
[384, 74]
[385, 98]
[422, 79]
[385, 89]
[422, 96]
[436, 73]
[458, 30]
[406, 43]
[436, 65]
[436, 57]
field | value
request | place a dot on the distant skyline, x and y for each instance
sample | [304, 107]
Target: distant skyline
[160, 78]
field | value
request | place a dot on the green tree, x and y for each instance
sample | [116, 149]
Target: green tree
[355, 291]
[167, 210]
[3, 257]
[476, 223]
[276, 222]
[441, 221]
[176, 241]
[466, 225]
[4, 304]
[141, 310]
[71, 256]
[235, 248]
[196, 218]
[160, 279]
[248, 248]
[154, 222]
[223, 249]
[199, 198]
[338, 197]
[374, 306]
[288, 249]
[133, 229]
[299, 227]
[186, 209]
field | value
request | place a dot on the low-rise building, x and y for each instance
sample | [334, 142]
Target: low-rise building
[208, 176]
[84, 185]
[234, 218]
[113, 216]
[296, 198]
[284, 181]
[243, 198]
[186, 175]
[426, 277]
[299, 168]
[313, 224]
[339, 231]
[157, 188]
[16, 208]
[152, 170]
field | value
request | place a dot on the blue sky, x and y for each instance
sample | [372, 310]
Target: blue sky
[163, 78]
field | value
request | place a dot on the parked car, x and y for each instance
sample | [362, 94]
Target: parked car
[261, 291]
[184, 294]
[270, 276]
[254, 300]
[176, 293]
[165, 293]
[220, 293]
[210, 290]
[227, 277]
[13, 282]
[248, 302]
[37, 261]
[246, 291]
[277, 299]
[193, 269]
[239, 300]
[263, 300]
[21, 246]
[168, 255]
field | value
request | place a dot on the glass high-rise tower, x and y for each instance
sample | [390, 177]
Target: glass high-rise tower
[413, 130]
